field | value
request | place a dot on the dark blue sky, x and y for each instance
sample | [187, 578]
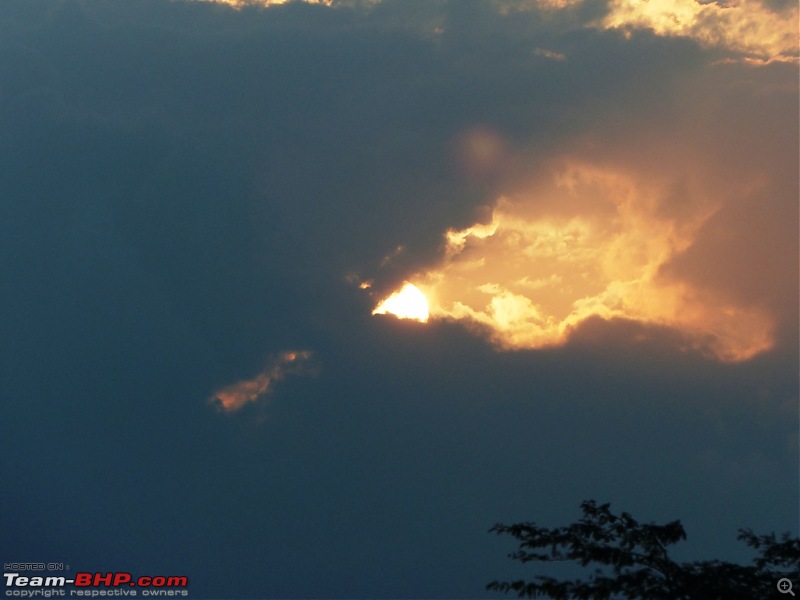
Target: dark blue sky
[191, 191]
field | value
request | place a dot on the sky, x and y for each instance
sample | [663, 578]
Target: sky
[205, 206]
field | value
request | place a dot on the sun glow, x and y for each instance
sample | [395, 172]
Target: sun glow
[408, 303]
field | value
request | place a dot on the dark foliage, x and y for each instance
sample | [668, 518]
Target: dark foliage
[631, 561]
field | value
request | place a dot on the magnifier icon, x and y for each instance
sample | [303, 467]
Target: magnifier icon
[785, 586]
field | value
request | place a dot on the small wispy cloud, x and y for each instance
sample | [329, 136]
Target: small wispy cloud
[550, 54]
[237, 395]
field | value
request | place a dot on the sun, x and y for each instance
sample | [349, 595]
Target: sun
[408, 303]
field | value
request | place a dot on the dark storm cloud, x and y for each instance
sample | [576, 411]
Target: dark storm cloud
[294, 119]
[186, 189]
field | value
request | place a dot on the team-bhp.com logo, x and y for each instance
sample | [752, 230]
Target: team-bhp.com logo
[119, 583]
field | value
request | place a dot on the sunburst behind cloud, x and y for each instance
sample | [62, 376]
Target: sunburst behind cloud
[589, 240]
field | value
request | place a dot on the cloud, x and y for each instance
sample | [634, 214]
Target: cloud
[235, 396]
[614, 181]
[678, 218]
[748, 27]
[588, 240]
[756, 31]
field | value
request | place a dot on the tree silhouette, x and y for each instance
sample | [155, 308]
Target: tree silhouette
[631, 561]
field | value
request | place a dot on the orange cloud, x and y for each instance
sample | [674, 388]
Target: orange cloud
[587, 241]
[746, 26]
[679, 215]
[234, 397]
[244, 3]
[506, 7]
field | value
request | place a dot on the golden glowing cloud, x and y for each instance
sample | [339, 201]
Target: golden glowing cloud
[235, 396]
[506, 7]
[243, 3]
[746, 26]
[408, 303]
[590, 242]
